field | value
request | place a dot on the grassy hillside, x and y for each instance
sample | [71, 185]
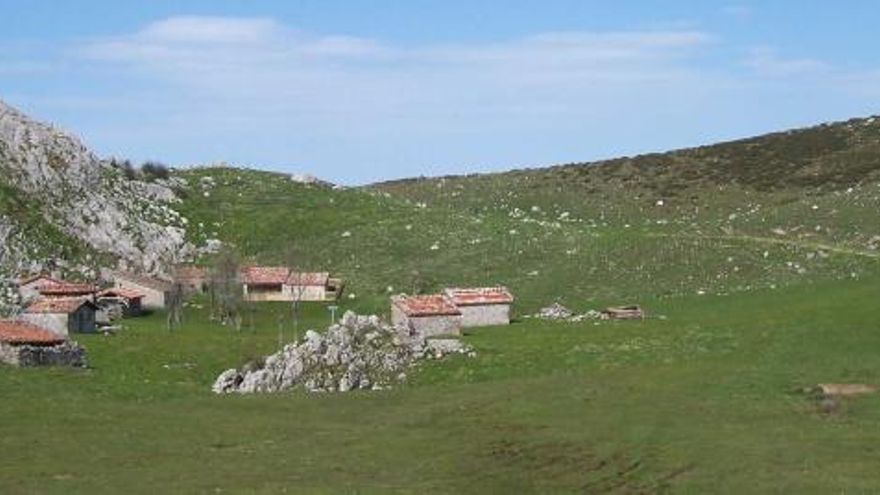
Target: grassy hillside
[548, 239]
[707, 400]
[757, 262]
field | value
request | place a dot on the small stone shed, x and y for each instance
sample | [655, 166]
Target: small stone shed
[63, 316]
[193, 279]
[427, 315]
[279, 283]
[29, 287]
[156, 291]
[482, 306]
[114, 303]
[25, 344]
[314, 286]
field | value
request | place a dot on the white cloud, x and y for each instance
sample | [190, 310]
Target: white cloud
[738, 11]
[260, 60]
[195, 29]
[767, 62]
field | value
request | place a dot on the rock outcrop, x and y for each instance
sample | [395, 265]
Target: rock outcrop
[358, 353]
[54, 182]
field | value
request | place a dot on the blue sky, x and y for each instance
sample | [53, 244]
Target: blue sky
[358, 91]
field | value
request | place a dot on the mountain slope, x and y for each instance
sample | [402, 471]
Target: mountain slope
[61, 205]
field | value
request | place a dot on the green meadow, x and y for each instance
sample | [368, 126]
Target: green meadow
[758, 263]
[706, 395]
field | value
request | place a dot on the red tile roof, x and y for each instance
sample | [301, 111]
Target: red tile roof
[430, 305]
[20, 332]
[67, 289]
[57, 305]
[280, 275]
[479, 296]
[123, 293]
[308, 279]
[265, 275]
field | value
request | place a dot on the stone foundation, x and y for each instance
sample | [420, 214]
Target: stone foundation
[66, 354]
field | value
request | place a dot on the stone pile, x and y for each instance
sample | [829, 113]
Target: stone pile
[558, 312]
[358, 353]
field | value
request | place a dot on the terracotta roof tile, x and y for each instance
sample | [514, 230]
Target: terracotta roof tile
[57, 305]
[478, 296]
[20, 332]
[67, 289]
[429, 305]
[123, 293]
[279, 275]
[264, 275]
[308, 278]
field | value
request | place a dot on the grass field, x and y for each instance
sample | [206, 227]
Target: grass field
[705, 399]
[758, 262]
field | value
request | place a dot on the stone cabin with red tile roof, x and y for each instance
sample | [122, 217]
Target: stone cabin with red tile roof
[427, 315]
[482, 306]
[29, 287]
[25, 344]
[278, 283]
[155, 290]
[62, 316]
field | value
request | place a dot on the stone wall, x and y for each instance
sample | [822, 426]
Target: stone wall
[312, 293]
[429, 326]
[485, 315]
[66, 354]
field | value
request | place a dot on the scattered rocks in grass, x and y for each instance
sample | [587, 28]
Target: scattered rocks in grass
[558, 312]
[555, 311]
[358, 353]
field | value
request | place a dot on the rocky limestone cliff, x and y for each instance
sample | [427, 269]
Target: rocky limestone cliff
[55, 193]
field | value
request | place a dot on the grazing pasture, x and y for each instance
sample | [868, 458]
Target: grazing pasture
[709, 397]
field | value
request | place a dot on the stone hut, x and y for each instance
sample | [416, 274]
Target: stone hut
[25, 344]
[29, 287]
[482, 306]
[156, 291]
[63, 316]
[278, 283]
[426, 315]
[193, 279]
[116, 303]
[314, 286]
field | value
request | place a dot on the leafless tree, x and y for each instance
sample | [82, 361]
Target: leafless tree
[293, 260]
[174, 303]
[225, 288]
